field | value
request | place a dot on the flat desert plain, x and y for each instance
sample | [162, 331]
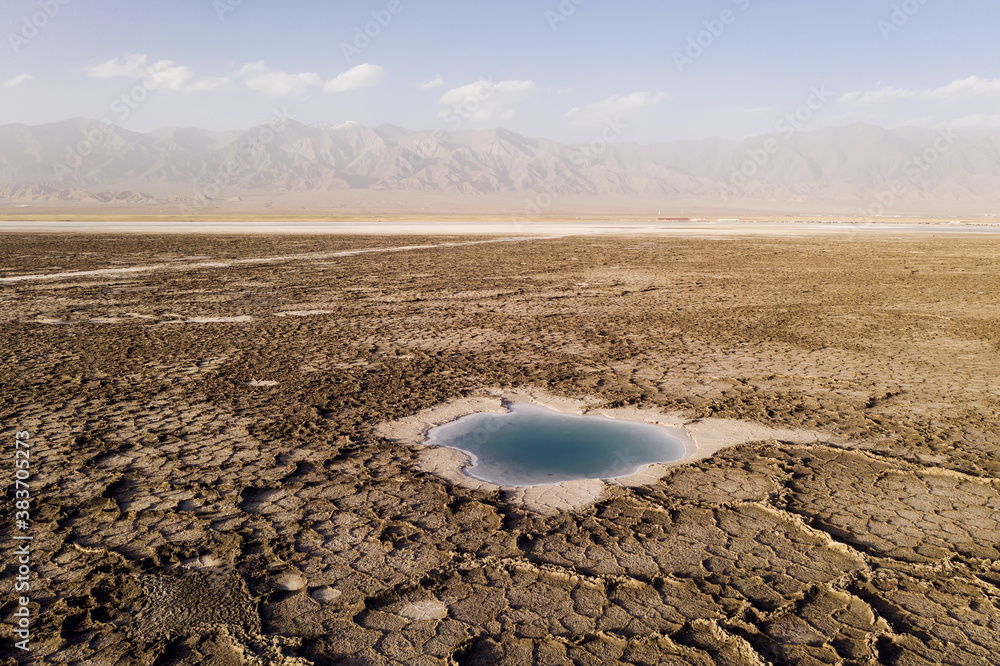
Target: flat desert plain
[214, 477]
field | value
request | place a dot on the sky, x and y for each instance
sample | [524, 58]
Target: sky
[569, 70]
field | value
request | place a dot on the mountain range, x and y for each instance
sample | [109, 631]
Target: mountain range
[858, 167]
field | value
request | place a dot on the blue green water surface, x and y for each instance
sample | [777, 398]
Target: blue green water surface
[533, 445]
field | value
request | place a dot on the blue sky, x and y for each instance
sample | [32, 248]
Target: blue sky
[563, 69]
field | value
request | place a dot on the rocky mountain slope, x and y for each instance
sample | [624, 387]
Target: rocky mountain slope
[857, 165]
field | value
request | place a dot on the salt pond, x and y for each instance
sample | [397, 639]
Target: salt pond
[533, 445]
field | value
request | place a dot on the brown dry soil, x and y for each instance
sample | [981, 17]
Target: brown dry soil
[185, 513]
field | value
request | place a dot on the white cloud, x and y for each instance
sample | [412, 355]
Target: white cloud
[134, 67]
[18, 80]
[256, 76]
[165, 74]
[598, 113]
[482, 100]
[362, 76]
[161, 75]
[973, 86]
[436, 82]
[168, 75]
[211, 83]
[880, 96]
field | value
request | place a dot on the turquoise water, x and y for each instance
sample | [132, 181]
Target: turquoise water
[533, 445]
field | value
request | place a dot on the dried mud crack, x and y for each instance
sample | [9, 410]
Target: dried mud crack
[211, 485]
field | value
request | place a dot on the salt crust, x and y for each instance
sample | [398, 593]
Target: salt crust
[702, 438]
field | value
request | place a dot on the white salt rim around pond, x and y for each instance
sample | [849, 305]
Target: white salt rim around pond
[701, 438]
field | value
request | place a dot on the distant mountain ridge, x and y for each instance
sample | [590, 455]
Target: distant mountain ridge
[859, 164]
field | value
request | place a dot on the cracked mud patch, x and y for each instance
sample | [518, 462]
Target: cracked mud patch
[220, 492]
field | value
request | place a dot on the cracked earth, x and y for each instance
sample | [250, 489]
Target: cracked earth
[210, 484]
